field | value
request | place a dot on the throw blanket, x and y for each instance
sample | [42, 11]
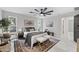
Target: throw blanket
[29, 37]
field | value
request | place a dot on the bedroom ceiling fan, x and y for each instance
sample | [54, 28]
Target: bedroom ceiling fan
[42, 11]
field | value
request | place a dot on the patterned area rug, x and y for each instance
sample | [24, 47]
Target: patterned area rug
[44, 47]
[5, 48]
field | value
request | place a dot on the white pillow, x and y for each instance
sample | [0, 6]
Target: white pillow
[44, 34]
[41, 39]
[47, 36]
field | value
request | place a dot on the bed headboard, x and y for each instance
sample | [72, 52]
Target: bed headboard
[29, 29]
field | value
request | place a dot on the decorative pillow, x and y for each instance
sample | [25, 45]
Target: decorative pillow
[31, 29]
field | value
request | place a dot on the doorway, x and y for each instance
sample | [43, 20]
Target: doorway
[67, 28]
[76, 27]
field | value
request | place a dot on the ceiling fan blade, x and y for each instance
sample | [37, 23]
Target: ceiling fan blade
[49, 11]
[36, 10]
[31, 12]
[48, 14]
[44, 9]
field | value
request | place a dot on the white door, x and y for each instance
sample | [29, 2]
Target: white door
[67, 28]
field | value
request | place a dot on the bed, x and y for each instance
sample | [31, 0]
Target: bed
[30, 38]
[31, 35]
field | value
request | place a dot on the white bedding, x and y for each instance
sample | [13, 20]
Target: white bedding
[25, 33]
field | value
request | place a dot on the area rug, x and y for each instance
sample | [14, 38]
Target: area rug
[45, 46]
[5, 48]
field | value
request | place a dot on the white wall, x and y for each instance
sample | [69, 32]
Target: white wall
[0, 14]
[0, 19]
[56, 25]
[20, 18]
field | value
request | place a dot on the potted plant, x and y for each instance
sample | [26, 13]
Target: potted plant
[4, 24]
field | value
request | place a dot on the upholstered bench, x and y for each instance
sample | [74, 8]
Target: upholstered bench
[41, 40]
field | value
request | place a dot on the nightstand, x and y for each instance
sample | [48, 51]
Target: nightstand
[50, 33]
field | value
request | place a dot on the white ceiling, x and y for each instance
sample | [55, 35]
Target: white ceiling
[26, 10]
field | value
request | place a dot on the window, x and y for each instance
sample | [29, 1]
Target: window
[12, 27]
